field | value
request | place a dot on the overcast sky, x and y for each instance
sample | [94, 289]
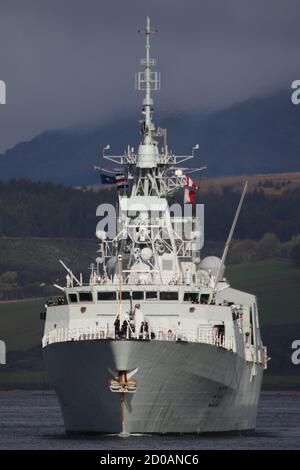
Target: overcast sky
[72, 62]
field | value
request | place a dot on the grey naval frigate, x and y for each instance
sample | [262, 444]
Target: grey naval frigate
[157, 341]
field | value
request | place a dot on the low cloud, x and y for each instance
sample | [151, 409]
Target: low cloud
[72, 62]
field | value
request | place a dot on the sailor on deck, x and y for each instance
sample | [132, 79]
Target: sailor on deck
[139, 319]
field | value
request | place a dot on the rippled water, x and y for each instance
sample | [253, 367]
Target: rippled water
[32, 420]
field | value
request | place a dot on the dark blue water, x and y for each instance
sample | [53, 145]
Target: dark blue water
[32, 420]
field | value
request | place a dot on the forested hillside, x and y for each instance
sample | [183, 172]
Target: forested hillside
[48, 210]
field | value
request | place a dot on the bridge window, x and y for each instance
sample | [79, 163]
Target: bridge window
[85, 297]
[125, 295]
[138, 295]
[191, 297]
[169, 296]
[73, 298]
[107, 295]
[204, 299]
[152, 295]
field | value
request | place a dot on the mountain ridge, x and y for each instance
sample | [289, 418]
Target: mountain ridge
[259, 135]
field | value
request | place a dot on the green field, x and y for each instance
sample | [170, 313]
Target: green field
[20, 324]
[276, 283]
[35, 261]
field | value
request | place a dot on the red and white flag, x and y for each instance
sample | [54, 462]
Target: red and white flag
[121, 181]
[190, 191]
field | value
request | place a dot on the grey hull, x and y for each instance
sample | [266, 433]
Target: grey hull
[181, 387]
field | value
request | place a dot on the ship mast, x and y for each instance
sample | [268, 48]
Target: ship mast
[153, 172]
[148, 154]
[152, 81]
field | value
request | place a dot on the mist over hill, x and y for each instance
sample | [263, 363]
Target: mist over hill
[260, 135]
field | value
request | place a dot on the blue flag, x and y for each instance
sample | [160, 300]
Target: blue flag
[107, 179]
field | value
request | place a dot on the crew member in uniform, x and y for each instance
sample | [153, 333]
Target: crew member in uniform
[139, 319]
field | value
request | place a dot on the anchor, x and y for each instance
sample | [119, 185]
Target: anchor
[122, 385]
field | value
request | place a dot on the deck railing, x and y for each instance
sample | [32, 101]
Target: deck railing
[197, 335]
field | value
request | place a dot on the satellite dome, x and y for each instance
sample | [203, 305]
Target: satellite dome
[212, 264]
[139, 266]
[146, 254]
[140, 273]
[101, 234]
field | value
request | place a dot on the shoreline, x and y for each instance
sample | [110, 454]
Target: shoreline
[26, 299]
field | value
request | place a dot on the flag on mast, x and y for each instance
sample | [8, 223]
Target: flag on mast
[107, 179]
[190, 191]
[121, 181]
[117, 178]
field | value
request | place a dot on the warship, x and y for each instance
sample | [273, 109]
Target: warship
[157, 341]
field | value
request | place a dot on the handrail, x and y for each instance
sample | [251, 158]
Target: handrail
[197, 335]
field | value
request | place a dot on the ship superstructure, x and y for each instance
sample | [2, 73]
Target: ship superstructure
[157, 340]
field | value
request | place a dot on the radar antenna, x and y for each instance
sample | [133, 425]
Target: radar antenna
[147, 81]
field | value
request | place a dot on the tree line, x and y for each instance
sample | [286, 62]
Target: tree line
[49, 210]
